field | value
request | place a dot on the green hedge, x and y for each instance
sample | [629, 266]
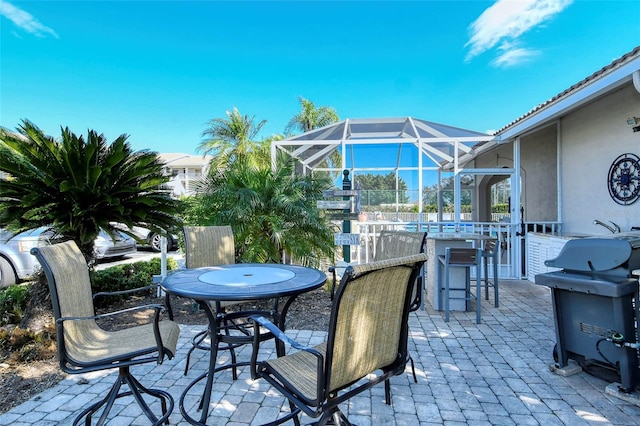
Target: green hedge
[126, 277]
[14, 299]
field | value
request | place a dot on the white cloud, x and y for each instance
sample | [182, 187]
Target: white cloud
[504, 22]
[511, 54]
[25, 20]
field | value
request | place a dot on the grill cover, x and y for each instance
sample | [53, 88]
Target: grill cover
[615, 255]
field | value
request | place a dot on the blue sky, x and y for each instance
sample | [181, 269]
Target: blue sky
[159, 70]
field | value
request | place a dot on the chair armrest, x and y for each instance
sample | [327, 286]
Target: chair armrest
[157, 307]
[123, 292]
[260, 321]
[156, 323]
[279, 334]
[136, 290]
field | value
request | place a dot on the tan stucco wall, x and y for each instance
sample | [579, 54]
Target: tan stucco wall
[538, 161]
[499, 157]
[591, 139]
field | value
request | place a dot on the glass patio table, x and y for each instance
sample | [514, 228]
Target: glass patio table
[237, 282]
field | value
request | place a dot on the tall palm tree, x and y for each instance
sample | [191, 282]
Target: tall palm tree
[228, 139]
[311, 117]
[78, 186]
[271, 211]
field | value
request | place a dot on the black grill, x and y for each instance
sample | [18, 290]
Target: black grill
[594, 299]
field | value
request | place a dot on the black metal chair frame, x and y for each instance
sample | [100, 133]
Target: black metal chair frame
[222, 339]
[234, 330]
[326, 404]
[385, 238]
[381, 254]
[123, 362]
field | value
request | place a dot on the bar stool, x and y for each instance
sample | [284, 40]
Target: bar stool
[460, 258]
[491, 250]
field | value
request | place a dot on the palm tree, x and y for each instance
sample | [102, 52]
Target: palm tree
[271, 211]
[77, 187]
[228, 139]
[310, 117]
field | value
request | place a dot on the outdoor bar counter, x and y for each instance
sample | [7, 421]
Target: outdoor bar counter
[436, 245]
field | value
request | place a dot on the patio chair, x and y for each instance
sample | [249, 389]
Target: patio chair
[366, 342]
[391, 244]
[467, 258]
[211, 246]
[491, 250]
[83, 346]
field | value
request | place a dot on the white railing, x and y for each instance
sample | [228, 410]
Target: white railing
[512, 258]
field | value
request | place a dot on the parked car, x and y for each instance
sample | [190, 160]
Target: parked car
[152, 239]
[17, 263]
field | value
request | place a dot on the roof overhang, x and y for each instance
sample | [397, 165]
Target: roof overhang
[608, 79]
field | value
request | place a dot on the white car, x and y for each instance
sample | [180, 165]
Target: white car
[17, 263]
[152, 239]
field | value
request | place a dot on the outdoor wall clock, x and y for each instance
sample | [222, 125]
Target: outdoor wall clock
[624, 179]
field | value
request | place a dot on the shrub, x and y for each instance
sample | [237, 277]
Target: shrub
[23, 344]
[126, 277]
[500, 208]
[13, 302]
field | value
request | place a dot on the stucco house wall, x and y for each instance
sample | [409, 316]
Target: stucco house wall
[539, 174]
[500, 157]
[538, 171]
[592, 137]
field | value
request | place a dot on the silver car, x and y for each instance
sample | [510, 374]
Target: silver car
[153, 239]
[17, 263]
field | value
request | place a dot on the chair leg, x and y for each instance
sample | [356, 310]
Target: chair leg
[387, 383]
[197, 340]
[230, 348]
[446, 294]
[413, 370]
[195, 343]
[333, 417]
[486, 278]
[447, 291]
[107, 402]
[387, 392]
[467, 288]
[440, 287]
[495, 284]
[136, 389]
[478, 293]
[293, 408]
